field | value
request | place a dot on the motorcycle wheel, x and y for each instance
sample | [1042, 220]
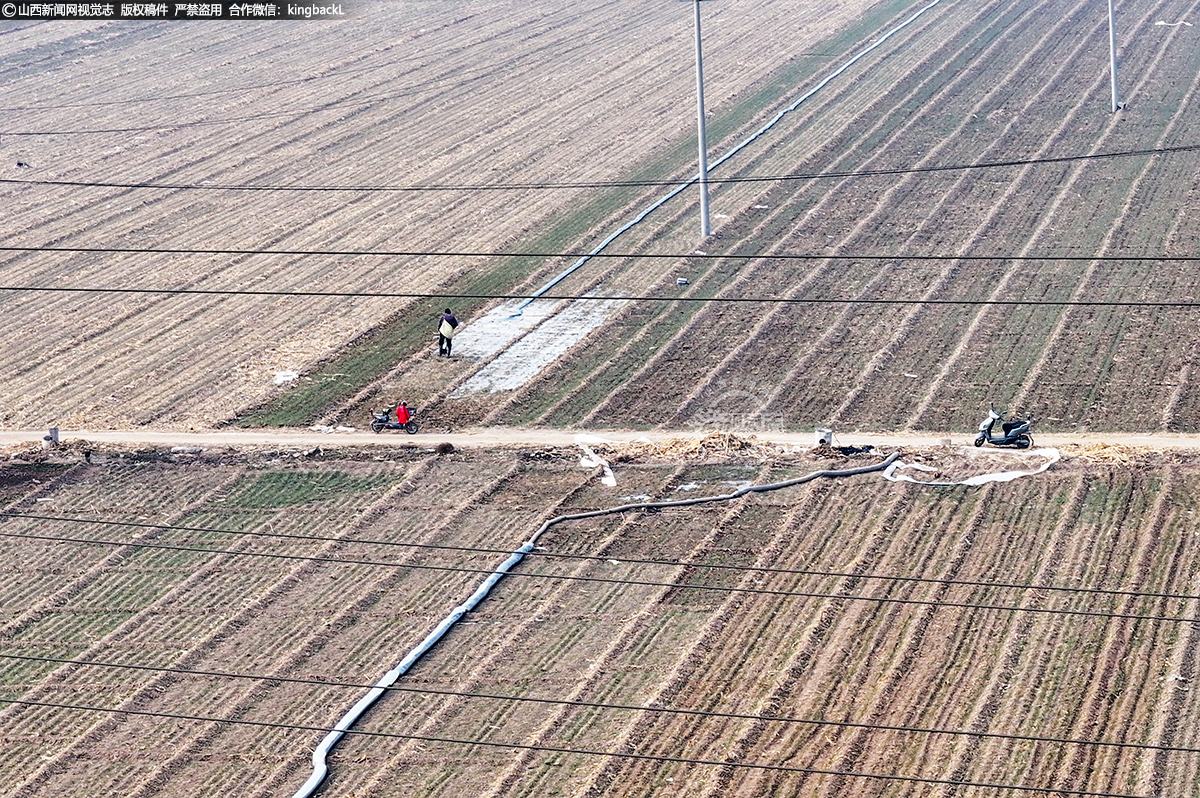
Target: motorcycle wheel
[979, 441]
[376, 427]
[411, 427]
[1024, 441]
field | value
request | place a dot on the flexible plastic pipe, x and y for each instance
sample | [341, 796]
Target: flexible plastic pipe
[705, 499]
[1052, 456]
[321, 768]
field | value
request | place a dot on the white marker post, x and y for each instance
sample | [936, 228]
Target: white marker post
[1112, 54]
[704, 226]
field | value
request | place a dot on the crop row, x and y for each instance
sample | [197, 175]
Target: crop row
[869, 658]
[433, 98]
[928, 366]
[230, 611]
[1052, 607]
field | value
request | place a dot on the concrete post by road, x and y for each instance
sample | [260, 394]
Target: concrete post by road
[1112, 56]
[703, 146]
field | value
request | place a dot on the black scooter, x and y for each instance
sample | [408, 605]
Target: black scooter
[382, 421]
[1016, 433]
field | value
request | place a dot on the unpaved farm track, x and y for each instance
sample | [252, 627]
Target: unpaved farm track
[1061, 608]
[516, 437]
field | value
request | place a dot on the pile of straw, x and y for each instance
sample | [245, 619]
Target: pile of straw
[1112, 453]
[713, 444]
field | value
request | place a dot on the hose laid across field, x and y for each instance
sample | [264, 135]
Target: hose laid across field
[1052, 456]
[321, 769]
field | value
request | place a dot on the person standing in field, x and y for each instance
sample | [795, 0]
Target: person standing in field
[446, 330]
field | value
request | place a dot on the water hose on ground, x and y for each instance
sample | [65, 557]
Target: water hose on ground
[321, 768]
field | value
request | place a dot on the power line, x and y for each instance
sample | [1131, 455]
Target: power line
[333, 105]
[823, 300]
[340, 74]
[159, 99]
[431, 84]
[819, 300]
[577, 751]
[606, 580]
[539, 552]
[598, 184]
[181, 125]
[608, 706]
[695, 255]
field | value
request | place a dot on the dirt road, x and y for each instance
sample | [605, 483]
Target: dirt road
[492, 437]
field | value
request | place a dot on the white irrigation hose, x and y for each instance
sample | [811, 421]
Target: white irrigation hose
[592, 460]
[749, 139]
[321, 769]
[1052, 456]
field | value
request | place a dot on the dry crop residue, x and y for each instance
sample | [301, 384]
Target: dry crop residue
[924, 622]
[710, 445]
[982, 82]
[300, 138]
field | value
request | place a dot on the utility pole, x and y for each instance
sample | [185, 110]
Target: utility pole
[704, 226]
[1112, 54]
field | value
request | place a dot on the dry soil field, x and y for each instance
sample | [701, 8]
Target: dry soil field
[195, 131]
[190, 622]
[439, 94]
[852, 637]
[967, 83]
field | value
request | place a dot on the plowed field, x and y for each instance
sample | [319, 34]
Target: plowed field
[852, 637]
[980, 83]
[211, 223]
[235, 139]
[171, 136]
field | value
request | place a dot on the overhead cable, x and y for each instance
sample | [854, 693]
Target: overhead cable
[339, 74]
[599, 184]
[741, 765]
[544, 553]
[695, 255]
[940, 604]
[658, 710]
[813, 300]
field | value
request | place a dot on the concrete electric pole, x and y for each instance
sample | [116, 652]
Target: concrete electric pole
[703, 146]
[1112, 54]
